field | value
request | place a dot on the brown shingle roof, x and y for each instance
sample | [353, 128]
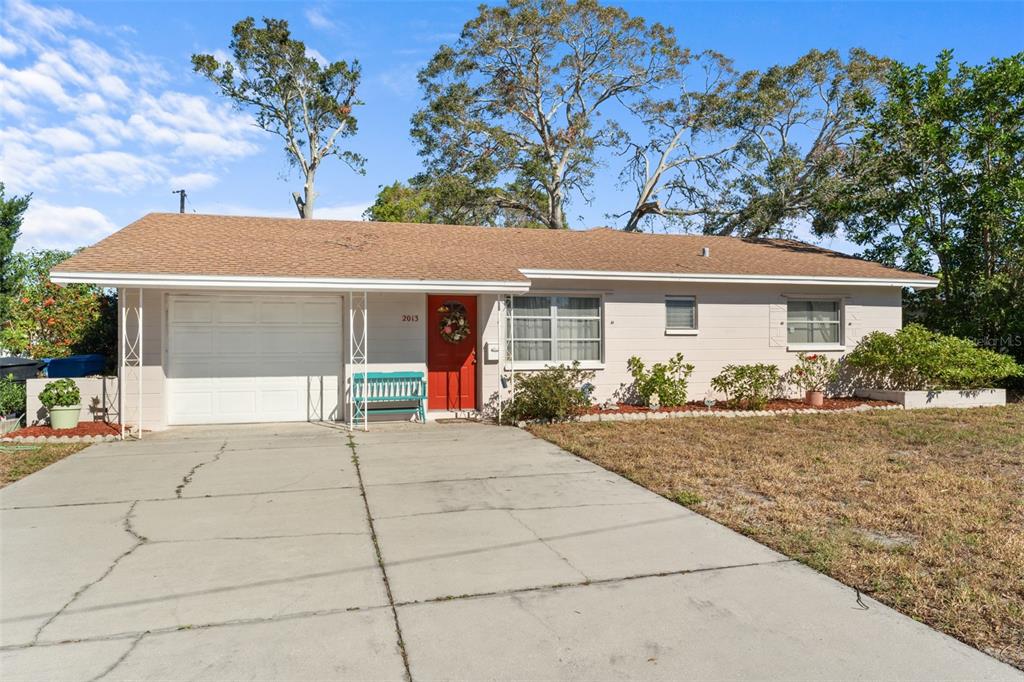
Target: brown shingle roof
[190, 244]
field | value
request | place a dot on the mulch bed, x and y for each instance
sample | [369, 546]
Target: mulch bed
[83, 429]
[773, 406]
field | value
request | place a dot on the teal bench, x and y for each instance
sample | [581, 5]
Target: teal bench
[389, 387]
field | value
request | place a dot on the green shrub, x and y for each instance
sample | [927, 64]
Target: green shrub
[917, 359]
[12, 396]
[814, 372]
[667, 380]
[60, 393]
[748, 386]
[553, 394]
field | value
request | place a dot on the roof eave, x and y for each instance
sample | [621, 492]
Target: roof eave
[325, 284]
[823, 280]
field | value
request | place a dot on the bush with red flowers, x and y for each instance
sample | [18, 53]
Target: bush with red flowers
[45, 320]
[813, 372]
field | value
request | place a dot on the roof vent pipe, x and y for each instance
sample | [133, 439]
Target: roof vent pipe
[706, 252]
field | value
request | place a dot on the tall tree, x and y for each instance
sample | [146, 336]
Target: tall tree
[748, 154]
[451, 200]
[688, 140]
[12, 214]
[936, 185]
[306, 104]
[519, 104]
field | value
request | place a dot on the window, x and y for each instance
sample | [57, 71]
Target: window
[813, 323]
[555, 328]
[680, 314]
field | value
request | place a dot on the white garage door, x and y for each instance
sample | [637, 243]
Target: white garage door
[236, 359]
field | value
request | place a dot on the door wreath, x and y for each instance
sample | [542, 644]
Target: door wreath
[454, 324]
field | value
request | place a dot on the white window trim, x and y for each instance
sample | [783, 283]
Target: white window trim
[683, 331]
[535, 365]
[822, 347]
[814, 347]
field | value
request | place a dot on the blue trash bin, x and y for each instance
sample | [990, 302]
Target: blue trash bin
[76, 366]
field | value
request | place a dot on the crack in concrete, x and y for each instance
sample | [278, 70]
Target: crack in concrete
[183, 497]
[589, 583]
[487, 478]
[120, 659]
[380, 559]
[140, 540]
[326, 533]
[255, 620]
[515, 509]
[415, 602]
[544, 542]
[187, 478]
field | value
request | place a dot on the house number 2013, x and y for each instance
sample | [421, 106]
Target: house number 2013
[410, 318]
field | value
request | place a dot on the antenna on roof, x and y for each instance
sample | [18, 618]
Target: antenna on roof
[181, 199]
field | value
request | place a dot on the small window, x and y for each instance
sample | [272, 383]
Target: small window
[680, 313]
[555, 328]
[813, 323]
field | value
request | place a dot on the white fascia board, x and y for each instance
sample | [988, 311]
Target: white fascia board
[149, 280]
[727, 279]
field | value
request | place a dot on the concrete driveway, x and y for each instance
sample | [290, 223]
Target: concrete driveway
[438, 552]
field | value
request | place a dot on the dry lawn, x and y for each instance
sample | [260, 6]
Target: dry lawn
[922, 510]
[19, 460]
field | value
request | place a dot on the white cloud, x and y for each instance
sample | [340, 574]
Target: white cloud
[64, 140]
[113, 86]
[45, 20]
[9, 48]
[106, 130]
[96, 114]
[23, 166]
[317, 19]
[48, 226]
[316, 56]
[110, 171]
[194, 181]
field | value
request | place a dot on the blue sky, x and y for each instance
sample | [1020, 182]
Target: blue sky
[101, 116]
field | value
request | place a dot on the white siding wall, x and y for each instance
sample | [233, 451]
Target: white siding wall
[398, 332]
[737, 324]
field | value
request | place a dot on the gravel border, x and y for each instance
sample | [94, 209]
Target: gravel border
[59, 439]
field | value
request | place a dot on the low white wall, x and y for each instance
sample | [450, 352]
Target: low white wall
[99, 399]
[983, 397]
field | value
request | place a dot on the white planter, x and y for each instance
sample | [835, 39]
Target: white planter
[8, 425]
[982, 397]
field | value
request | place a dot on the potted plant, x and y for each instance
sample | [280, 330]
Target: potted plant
[64, 402]
[813, 373]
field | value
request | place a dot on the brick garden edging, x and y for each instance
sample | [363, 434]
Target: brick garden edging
[644, 416]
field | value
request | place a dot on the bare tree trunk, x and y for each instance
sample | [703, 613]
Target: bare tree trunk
[309, 198]
[305, 203]
[556, 218]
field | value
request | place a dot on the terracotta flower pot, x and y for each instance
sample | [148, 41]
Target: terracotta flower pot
[814, 398]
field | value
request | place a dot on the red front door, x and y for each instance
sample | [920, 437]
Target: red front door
[451, 367]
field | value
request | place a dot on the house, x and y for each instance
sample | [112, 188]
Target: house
[244, 319]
